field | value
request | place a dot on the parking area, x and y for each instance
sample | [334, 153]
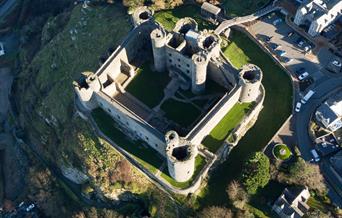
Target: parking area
[293, 50]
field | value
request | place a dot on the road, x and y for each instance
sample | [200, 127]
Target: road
[6, 7]
[303, 117]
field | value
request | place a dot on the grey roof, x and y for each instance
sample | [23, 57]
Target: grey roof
[286, 203]
[325, 112]
[210, 8]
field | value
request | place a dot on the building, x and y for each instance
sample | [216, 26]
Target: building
[192, 60]
[318, 14]
[292, 203]
[210, 12]
[329, 114]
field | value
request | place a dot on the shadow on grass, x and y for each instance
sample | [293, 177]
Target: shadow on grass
[144, 154]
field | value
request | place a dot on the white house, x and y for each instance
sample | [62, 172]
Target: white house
[329, 114]
[318, 14]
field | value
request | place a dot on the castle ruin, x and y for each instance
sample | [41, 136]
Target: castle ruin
[192, 59]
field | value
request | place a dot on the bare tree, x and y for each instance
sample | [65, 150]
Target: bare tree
[215, 212]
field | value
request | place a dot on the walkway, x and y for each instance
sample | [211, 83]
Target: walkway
[239, 20]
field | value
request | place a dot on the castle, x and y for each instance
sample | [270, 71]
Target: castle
[193, 61]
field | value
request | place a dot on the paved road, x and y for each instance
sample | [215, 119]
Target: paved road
[6, 7]
[303, 117]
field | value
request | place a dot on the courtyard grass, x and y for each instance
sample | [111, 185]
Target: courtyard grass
[182, 113]
[148, 85]
[216, 137]
[281, 152]
[199, 164]
[277, 108]
[241, 8]
[145, 155]
[169, 18]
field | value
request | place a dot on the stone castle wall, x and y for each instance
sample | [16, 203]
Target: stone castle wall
[214, 116]
[136, 127]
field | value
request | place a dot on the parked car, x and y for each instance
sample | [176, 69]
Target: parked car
[290, 34]
[307, 48]
[274, 46]
[315, 155]
[337, 63]
[287, 60]
[300, 43]
[2, 50]
[281, 53]
[303, 76]
[268, 38]
[30, 207]
[307, 96]
[277, 21]
[298, 106]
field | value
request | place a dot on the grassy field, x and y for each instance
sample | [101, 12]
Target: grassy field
[240, 8]
[199, 164]
[148, 86]
[216, 137]
[168, 18]
[182, 113]
[145, 155]
[277, 107]
[236, 55]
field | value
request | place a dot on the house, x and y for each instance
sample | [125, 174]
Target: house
[318, 14]
[210, 12]
[329, 114]
[292, 203]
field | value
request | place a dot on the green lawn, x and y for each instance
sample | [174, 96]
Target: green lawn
[148, 86]
[241, 8]
[216, 137]
[236, 55]
[182, 113]
[168, 18]
[199, 164]
[278, 149]
[145, 155]
[277, 108]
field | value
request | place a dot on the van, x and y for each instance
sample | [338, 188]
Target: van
[315, 155]
[308, 95]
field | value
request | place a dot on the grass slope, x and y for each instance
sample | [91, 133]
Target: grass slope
[169, 18]
[145, 155]
[277, 107]
[216, 137]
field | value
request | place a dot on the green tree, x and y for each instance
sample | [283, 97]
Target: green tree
[256, 172]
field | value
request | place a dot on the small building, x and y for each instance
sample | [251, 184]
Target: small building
[329, 114]
[292, 203]
[210, 12]
[318, 14]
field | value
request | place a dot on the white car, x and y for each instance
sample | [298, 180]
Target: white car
[337, 63]
[277, 21]
[315, 155]
[30, 207]
[303, 76]
[298, 106]
[2, 50]
[300, 44]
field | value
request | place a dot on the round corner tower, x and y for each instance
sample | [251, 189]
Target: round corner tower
[199, 73]
[85, 87]
[180, 155]
[141, 15]
[250, 81]
[158, 39]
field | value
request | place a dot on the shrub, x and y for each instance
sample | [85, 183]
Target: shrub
[256, 172]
